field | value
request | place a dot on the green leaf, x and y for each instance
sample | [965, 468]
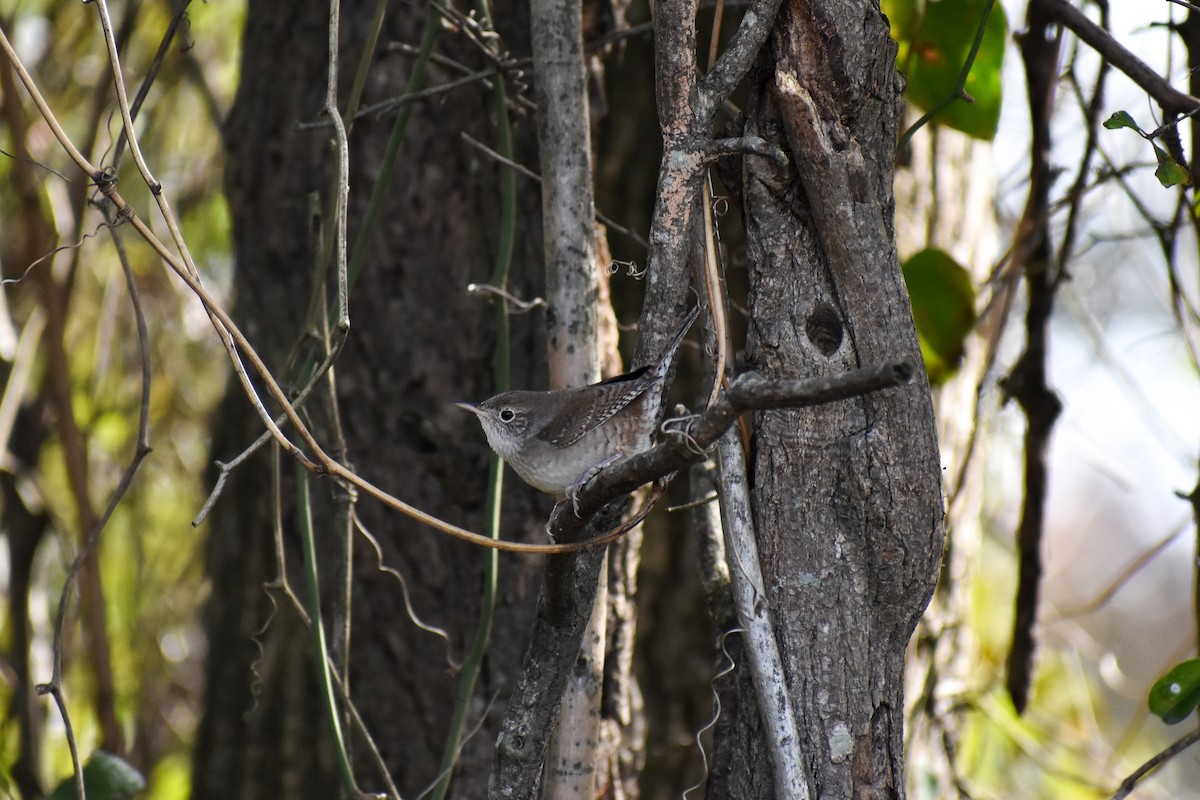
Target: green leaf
[105, 777]
[934, 59]
[943, 303]
[1172, 174]
[1121, 119]
[1169, 172]
[1174, 696]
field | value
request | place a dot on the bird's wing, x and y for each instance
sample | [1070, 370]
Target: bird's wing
[578, 419]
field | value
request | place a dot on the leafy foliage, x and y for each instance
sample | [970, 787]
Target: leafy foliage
[935, 41]
[1169, 172]
[943, 302]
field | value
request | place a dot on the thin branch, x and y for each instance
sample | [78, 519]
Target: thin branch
[1171, 99]
[749, 392]
[54, 686]
[151, 73]
[55, 691]
[364, 64]
[383, 106]
[1028, 383]
[718, 84]
[1118, 582]
[745, 145]
[781, 733]
[1130, 783]
[609, 222]
[342, 187]
[521, 306]
[1091, 114]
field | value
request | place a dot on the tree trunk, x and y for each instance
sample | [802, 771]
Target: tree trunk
[417, 342]
[847, 503]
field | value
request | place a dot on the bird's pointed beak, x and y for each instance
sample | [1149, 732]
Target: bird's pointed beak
[474, 409]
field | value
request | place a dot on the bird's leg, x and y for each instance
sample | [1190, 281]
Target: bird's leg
[573, 492]
[554, 512]
[572, 495]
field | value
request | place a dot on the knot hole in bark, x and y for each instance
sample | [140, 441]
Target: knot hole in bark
[824, 329]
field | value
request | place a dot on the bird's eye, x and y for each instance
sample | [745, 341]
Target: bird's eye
[507, 415]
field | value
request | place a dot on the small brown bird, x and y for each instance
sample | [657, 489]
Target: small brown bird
[557, 440]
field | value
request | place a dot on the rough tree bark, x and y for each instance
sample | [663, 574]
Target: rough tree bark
[417, 342]
[847, 502]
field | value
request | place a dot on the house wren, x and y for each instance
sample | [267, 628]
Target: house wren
[557, 440]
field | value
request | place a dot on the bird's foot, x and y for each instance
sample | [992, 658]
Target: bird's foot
[573, 492]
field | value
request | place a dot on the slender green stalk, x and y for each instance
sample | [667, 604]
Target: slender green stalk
[317, 630]
[483, 631]
[364, 64]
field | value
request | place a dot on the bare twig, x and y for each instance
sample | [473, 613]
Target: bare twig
[54, 686]
[718, 84]
[1091, 111]
[1027, 383]
[528, 173]
[364, 64]
[1171, 99]
[383, 106]
[745, 145]
[1130, 783]
[789, 769]
[164, 45]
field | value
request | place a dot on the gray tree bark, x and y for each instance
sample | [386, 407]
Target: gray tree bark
[847, 496]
